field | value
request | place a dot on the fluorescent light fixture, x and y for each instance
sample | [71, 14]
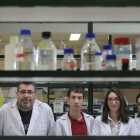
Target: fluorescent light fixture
[74, 37]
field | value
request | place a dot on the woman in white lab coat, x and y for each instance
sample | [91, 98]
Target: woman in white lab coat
[137, 120]
[115, 120]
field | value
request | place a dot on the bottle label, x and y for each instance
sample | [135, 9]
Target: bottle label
[103, 66]
[137, 49]
[72, 66]
[46, 59]
[111, 68]
[43, 45]
[21, 55]
[123, 52]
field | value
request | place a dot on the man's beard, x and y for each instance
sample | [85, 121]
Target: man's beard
[27, 105]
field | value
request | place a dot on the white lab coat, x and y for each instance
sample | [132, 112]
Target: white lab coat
[137, 122]
[63, 125]
[41, 122]
[102, 129]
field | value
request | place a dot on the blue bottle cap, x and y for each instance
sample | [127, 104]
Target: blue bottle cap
[25, 32]
[124, 95]
[98, 54]
[107, 47]
[90, 35]
[111, 57]
[102, 103]
[66, 51]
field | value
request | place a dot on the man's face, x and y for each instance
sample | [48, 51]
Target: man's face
[76, 101]
[26, 97]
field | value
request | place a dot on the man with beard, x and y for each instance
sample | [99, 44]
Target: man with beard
[74, 122]
[26, 115]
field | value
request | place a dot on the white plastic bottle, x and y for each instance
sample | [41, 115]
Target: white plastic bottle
[123, 49]
[125, 99]
[25, 52]
[68, 62]
[107, 50]
[46, 53]
[88, 53]
[10, 53]
[98, 61]
[137, 47]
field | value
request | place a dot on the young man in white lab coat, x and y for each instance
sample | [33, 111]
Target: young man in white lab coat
[26, 115]
[74, 122]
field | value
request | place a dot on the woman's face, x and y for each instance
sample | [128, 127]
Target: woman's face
[113, 102]
[138, 104]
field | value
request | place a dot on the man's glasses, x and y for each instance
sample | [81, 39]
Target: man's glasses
[29, 92]
[110, 100]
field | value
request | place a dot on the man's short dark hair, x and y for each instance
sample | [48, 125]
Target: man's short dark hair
[27, 83]
[76, 89]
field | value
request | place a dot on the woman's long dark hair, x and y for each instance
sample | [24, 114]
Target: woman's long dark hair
[138, 96]
[123, 111]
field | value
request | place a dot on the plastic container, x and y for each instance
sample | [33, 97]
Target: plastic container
[95, 101]
[137, 47]
[68, 62]
[25, 52]
[123, 50]
[125, 99]
[107, 50]
[88, 53]
[98, 61]
[10, 53]
[46, 53]
[125, 64]
[111, 62]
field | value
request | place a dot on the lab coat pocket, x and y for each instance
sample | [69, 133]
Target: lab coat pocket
[43, 127]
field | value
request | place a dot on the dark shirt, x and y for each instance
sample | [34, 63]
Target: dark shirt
[25, 116]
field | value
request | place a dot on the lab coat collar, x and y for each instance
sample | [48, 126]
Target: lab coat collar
[66, 124]
[35, 114]
[123, 127]
[107, 126]
[14, 109]
[86, 116]
[137, 120]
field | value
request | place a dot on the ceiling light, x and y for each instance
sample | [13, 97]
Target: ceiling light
[74, 37]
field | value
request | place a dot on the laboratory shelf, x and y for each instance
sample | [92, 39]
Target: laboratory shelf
[73, 3]
[70, 76]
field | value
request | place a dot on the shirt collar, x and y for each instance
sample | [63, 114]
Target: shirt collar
[113, 121]
[81, 120]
